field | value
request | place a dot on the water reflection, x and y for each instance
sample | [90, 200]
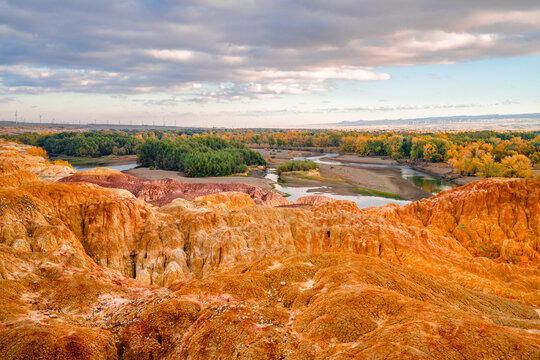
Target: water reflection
[89, 166]
[425, 181]
[422, 180]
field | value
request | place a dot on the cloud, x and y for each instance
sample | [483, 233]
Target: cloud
[265, 49]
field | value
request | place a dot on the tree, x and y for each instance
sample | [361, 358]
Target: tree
[394, 146]
[516, 166]
[417, 149]
[487, 167]
[429, 152]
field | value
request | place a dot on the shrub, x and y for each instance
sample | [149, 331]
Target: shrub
[62, 163]
[37, 151]
[297, 165]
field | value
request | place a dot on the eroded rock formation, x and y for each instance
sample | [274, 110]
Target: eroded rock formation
[94, 273]
[163, 191]
[16, 156]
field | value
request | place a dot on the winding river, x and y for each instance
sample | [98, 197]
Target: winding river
[420, 179]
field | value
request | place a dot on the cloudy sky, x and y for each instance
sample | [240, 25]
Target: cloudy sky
[266, 63]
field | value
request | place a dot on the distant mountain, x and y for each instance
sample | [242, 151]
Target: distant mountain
[463, 122]
[462, 118]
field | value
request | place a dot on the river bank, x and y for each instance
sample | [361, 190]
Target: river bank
[354, 180]
[255, 179]
[345, 179]
[105, 161]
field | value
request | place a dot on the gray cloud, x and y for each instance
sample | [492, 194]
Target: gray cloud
[262, 48]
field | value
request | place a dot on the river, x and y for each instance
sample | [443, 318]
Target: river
[296, 192]
[420, 179]
[89, 166]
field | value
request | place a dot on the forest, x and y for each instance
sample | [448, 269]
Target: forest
[82, 144]
[480, 153]
[198, 156]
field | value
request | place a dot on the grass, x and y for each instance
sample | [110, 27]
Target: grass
[370, 192]
[314, 175]
[306, 175]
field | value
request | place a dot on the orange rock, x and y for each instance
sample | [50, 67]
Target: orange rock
[453, 276]
[163, 191]
[495, 218]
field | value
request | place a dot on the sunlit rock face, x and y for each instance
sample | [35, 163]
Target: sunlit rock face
[163, 191]
[497, 218]
[15, 155]
[93, 273]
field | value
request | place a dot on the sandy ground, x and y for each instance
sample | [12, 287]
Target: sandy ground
[276, 157]
[346, 179]
[463, 180]
[375, 178]
[146, 173]
[437, 169]
[365, 159]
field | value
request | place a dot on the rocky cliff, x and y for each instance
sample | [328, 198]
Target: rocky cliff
[93, 273]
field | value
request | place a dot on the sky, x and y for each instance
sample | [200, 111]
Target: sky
[271, 63]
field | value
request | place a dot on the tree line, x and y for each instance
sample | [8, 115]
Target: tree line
[482, 153]
[82, 144]
[198, 156]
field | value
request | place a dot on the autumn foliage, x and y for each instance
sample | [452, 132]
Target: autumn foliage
[37, 151]
[481, 153]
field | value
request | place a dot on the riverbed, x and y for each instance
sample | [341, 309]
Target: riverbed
[422, 180]
[295, 192]
[425, 184]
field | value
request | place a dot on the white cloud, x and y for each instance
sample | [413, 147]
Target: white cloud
[315, 75]
[490, 17]
[265, 48]
[174, 55]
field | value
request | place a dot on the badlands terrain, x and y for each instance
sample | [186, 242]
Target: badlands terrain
[104, 265]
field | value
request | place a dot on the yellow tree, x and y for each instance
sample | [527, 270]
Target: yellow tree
[487, 166]
[516, 166]
[429, 152]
